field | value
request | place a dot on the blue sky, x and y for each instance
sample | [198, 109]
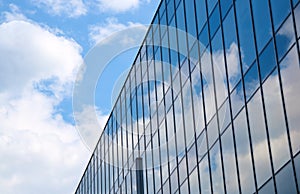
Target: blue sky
[42, 45]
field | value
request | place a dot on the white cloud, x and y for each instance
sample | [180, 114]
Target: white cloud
[70, 8]
[40, 152]
[118, 5]
[14, 14]
[111, 25]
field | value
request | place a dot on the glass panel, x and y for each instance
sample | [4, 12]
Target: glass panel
[251, 81]
[212, 131]
[267, 188]
[202, 145]
[174, 181]
[201, 13]
[297, 15]
[219, 69]
[245, 33]
[231, 179]
[290, 75]
[280, 10]
[267, 60]
[170, 10]
[182, 170]
[285, 38]
[262, 22]
[192, 158]
[237, 99]
[194, 183]
[211, 4]
[190, 20]
[224, 116]
[225, 5]
[214, 21]
[285, 180]
[259, 139]
[297, 168]
[216, 169]
[203, 38]
[204, 176]
[276, 123]
[232, 54]
[244, 154]
[184, 187]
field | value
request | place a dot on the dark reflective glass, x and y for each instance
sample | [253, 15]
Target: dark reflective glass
[284, 181]
[267, 60]
[262, 22]
[203, 38]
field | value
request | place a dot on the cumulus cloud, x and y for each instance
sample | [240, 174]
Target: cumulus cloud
[70, 8]
[40, 152]
[118, 5]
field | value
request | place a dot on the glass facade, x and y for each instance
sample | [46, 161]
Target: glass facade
[213, 111]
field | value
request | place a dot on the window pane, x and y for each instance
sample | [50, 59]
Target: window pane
[244, 154]
[276, 123]
[267, 60]
[280, 10]
[297, 167]
[291, 88]
[229, 162]
[201, 13]
[225, 4]
[204, 176]
[251, 81]
[285, 38]
[194, 183]
[297, 15]
[285, 180]
[267, 188]
[245, 33]
[212, 131]
[214, 21]
[216, 169]
[262, 22]
[259, 139]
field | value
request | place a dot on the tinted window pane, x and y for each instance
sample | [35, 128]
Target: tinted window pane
[251, 81]
[285, 180]
[244, 154]
[259, 139]
[297, 15]
[245, 33]
[262, 22]
[267, 60]
[276, 123]
[229, 162]
[216, 169]
[280, 10]
[297, 167]
[225, 5]
[201, 14]
[204, 176]
[285, 38]
[267, 188]
[291, 88]
[214, 21]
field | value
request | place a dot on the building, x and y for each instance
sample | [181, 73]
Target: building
[212, 111]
